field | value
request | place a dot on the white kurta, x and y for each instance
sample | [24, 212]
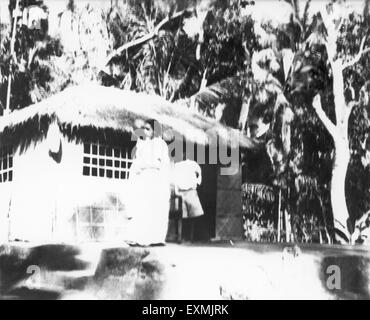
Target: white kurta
[148, 204]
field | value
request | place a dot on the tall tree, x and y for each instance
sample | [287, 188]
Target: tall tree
[333, 18]
[31, 68]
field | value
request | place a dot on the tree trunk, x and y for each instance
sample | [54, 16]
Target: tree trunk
[341, 158]
[337, 190]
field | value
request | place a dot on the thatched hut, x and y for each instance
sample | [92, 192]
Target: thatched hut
[64, 162]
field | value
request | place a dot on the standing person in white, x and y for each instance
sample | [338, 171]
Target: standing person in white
[149, 201]
[188, 176]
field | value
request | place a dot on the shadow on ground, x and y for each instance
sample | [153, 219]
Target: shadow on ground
[353, 276]
[122, 273]
[19, 264]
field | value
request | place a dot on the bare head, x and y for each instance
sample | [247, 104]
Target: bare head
[148, 128]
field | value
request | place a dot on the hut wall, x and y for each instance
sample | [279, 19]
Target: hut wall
[4, 208]
[53, 201]
[32, 194]
[229, 218]
[88, 208]
[91, 207]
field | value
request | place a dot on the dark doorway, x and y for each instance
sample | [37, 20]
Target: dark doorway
[204, 227]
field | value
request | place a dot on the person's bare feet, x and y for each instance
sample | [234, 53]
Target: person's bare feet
[133, 244]
[160, 244]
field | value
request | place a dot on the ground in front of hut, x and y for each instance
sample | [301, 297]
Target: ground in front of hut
[184, 271]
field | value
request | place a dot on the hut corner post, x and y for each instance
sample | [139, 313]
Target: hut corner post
[15, 15]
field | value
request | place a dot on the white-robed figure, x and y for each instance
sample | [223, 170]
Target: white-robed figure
[149, 186]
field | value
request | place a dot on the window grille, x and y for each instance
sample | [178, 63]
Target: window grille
[106, 161]
[6, 164]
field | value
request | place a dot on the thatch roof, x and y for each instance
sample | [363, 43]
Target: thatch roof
[84, 111]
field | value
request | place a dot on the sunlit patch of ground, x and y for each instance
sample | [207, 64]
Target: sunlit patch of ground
[224, 273]
[211, 271]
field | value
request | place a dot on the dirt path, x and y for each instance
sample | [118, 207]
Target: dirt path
[204, 271]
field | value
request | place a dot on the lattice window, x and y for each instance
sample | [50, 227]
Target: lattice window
[103, 219]
[6, 164]
[106, 161]
[90, 223]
